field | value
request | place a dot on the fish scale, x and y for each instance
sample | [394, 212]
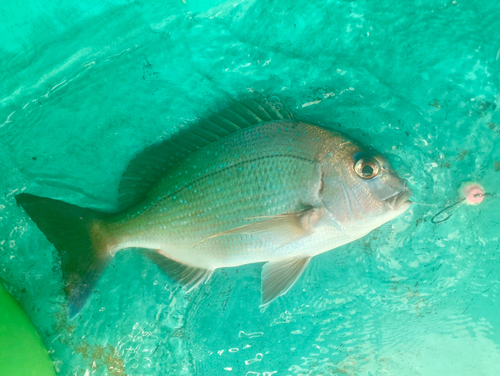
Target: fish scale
[249, 184]
[284, 181]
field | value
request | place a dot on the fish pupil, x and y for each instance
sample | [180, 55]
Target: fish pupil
[367, 171]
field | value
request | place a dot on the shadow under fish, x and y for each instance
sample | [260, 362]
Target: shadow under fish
[247, 184]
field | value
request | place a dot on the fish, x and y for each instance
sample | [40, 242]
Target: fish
[247, 184]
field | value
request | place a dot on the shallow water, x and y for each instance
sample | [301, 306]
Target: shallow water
[84, 87]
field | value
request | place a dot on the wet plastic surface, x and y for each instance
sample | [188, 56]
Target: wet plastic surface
[84, 87]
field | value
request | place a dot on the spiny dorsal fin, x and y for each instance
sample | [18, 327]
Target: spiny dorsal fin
[154, 161]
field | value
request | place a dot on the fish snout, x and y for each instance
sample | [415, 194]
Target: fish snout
[400, 198]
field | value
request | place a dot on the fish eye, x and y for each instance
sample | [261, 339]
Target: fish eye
[367, 168]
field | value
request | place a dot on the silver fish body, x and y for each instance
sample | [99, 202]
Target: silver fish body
[272, 169]
[279, 191]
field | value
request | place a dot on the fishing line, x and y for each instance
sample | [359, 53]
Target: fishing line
[421, 203]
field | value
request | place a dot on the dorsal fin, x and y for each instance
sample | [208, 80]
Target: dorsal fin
[154, 161]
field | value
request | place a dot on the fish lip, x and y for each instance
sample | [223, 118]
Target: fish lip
[399, 199]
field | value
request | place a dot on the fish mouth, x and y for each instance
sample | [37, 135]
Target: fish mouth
[399, 199]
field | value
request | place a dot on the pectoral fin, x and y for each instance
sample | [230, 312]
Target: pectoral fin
[279, 277]
[188, 276]
[280, 229]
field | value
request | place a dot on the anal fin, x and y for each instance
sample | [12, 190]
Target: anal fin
[188, 276]
[279, 277]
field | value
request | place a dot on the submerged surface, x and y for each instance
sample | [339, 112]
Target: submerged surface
[86, 87]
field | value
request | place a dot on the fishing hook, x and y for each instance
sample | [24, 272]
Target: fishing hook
[456, 203]
[447, 208]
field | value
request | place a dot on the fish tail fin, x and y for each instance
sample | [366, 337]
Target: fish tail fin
[78, 236]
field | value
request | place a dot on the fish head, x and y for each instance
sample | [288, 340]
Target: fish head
[361, 188]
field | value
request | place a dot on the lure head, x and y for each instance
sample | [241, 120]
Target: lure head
[473, 193]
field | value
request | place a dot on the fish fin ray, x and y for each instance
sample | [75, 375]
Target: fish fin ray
[75, 232]
[188, 276]
[279, 277]
[155, 161]
[280, 230]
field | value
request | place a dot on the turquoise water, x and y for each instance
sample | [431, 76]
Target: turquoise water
[84, 87]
